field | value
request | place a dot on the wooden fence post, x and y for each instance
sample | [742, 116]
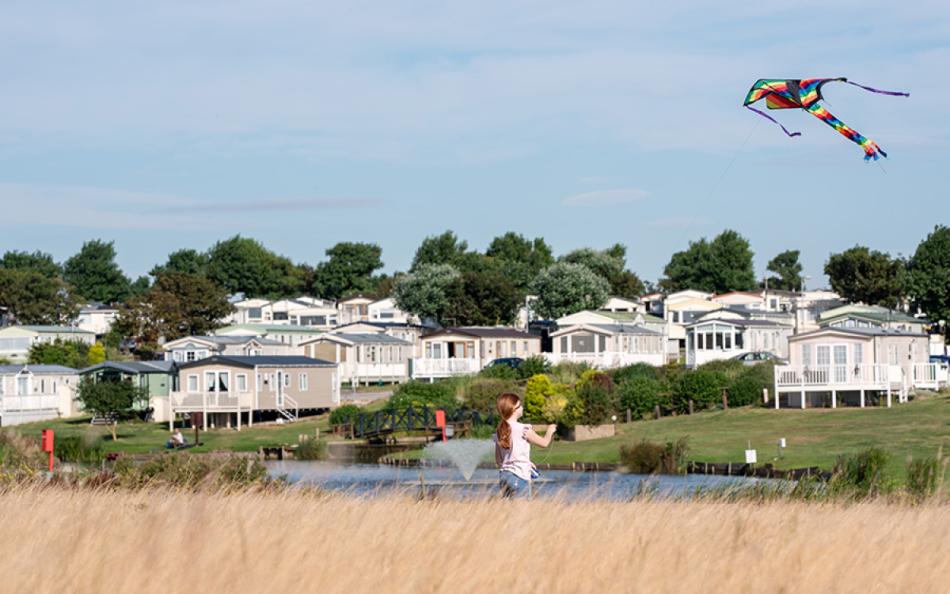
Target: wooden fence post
[690, 406]
[725, 398]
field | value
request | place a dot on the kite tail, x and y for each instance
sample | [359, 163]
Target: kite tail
[871, 149]
[768, 117]
[879, 91]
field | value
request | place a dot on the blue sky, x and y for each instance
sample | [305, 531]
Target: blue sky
[169, 125]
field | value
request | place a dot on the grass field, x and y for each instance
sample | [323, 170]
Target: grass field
[814, 437]
[140, 437]
[99, 541]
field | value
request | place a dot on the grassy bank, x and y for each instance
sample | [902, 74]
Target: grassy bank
[815, 437]
[148, 541]
[141, 437]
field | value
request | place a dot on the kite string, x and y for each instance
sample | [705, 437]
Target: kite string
[733, 160]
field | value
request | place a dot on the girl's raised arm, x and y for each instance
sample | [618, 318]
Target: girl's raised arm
[541, 442]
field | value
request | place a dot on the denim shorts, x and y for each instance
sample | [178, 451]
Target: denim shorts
[514, 486]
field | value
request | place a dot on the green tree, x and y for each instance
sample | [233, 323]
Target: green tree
[243, 265]
[425, 292]
[110, 398]
[929, 272]
[178, 304]
[788, 271]
[32, 298]
[690, 269]
[97, 353]
[70, 353]
[872, 277]
[721, 265]
[609, 264]
[443, 249]
[37, 261]
[348, 270]
[95, 274]
[732, 257]
[485, 298]
[565, 288]
[185, 260]
[522, 258]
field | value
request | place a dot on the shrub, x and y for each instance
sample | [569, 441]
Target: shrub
[20, 453]
[593, 404]
[532, 366]
[922, 477]
[418, 394]
[75, 448]
[861, 475]
[702, 386]
[499, 372]
[641, 395]
[637, 370]
[747, 387]
[311, 449]
[728, 367]
[536, 394]
[187, 471]
[647, 457]
[568, 372]
[344, 414]
[593, 376]
[482, 393]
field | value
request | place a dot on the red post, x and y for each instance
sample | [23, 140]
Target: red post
[440, 422]
[47, 442]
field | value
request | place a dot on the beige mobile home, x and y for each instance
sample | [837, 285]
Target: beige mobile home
[231, 391]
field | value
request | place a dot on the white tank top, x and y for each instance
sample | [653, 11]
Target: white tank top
[517, 458]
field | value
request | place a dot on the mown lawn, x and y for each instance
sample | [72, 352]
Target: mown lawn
[140, 437]
[814, 437]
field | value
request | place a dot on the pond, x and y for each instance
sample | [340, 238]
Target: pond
[373, 479]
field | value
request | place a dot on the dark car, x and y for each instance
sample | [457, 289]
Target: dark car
[513, 362]
[754, 357]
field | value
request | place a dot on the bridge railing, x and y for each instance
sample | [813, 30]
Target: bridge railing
[412, 419]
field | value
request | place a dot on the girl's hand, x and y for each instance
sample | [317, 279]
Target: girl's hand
[551, 429]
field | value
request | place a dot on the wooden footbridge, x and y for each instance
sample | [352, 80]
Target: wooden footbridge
[384, 425]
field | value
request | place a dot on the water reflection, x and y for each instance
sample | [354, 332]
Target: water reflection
[371, 479]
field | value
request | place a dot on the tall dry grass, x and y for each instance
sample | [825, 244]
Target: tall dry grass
[54, 540]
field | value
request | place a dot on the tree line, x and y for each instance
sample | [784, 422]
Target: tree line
[447, 282]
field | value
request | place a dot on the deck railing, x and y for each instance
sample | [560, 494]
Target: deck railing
[211, 401]
[31, 402]
[927, 375]
[870, 376]
[423, 367]
[608, 359]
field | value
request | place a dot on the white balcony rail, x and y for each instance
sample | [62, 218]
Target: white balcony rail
[867, 376]
[928, 375]
[211, 401]
[31, 402]
[444, 367]
[607, 359]
[366, 371]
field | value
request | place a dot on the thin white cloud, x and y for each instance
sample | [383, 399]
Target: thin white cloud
[606, 197]
[109, 208]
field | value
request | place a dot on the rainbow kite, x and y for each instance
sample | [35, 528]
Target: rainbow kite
[805, 94]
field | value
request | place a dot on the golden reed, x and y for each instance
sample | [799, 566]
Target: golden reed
[166, 542]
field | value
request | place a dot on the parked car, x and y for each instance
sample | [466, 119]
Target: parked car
[513, 362]
[754, 357]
